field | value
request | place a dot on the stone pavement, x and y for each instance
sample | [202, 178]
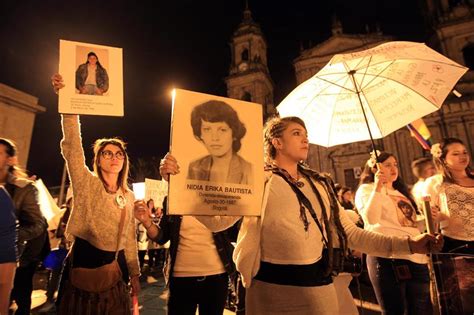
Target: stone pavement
[153, 295]
[152, 298]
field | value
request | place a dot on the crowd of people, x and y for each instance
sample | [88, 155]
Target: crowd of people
[285, 261]
[24, 235]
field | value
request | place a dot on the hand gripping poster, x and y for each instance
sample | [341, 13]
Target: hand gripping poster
[93, 78]
[218, 144]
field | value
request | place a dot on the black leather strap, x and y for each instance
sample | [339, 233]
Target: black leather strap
[305, 201]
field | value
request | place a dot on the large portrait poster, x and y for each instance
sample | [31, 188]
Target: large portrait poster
[93, 78]
[218, 143]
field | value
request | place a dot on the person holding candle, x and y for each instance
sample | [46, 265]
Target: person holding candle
[452, 195]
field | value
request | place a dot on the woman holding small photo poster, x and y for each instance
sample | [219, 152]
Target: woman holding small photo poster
[103, 257]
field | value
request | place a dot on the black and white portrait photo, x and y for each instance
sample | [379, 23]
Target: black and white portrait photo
[218, 144]
[216, 125]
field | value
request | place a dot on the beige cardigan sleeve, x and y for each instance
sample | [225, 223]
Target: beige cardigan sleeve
[72, 150]
[79, 175]
[131, 247]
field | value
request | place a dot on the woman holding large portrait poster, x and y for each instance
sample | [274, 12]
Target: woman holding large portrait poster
[287, 256]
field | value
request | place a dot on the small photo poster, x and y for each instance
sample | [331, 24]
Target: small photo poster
[93, 78]
[406, 213]
[218, 143]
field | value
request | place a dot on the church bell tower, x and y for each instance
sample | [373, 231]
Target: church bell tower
[249, 78]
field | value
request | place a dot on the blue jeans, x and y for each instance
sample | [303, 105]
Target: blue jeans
[90, 89]
[395, 296]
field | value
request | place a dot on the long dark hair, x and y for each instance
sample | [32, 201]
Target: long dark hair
[217, 111]
[368, 176]
[440, 162]
[98, 62]
[12, 151]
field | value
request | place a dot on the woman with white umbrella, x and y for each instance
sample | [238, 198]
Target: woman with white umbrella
[401, 282]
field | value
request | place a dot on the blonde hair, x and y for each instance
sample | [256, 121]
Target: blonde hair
[274, 128]
[99, 146]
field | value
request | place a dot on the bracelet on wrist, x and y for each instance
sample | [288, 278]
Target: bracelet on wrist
[147, 227]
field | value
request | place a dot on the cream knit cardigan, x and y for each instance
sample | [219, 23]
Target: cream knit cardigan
[95, 215]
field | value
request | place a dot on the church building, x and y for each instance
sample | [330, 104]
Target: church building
[451, 25]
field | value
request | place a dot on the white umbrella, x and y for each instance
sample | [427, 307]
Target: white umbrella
[369, 94]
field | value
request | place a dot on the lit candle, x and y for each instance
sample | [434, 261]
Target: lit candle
[428, 217]
[139, 191]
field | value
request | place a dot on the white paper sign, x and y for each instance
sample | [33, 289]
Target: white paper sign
[93, 78]
[156, 190]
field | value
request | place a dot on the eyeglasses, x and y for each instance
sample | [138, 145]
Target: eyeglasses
[108, 155]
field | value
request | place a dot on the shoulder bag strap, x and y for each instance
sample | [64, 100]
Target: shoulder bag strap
[119, 235]
[121, 225]
[302, 199]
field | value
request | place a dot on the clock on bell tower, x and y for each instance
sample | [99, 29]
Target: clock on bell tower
[249, 78]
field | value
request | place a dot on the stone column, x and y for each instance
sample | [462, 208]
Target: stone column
[17, 116]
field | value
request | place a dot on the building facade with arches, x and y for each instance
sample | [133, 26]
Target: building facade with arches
[451, 32]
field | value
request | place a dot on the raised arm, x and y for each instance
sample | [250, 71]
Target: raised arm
[72, 150]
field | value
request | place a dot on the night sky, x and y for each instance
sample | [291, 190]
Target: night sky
[166, 44]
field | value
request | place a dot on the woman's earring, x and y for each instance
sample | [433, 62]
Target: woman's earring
[276, 143]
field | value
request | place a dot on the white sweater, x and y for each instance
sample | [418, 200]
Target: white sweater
[381, 214]
[247, 254]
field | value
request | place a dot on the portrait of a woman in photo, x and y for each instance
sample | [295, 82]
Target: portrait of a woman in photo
[217, 126]
[91, 76]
